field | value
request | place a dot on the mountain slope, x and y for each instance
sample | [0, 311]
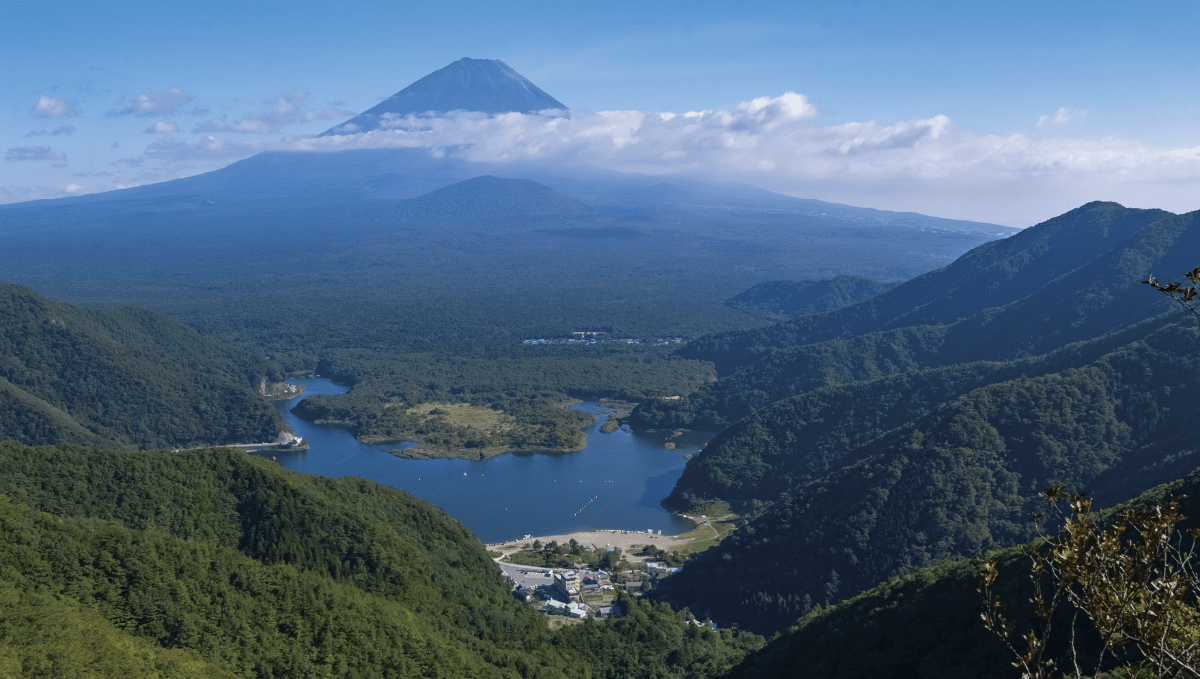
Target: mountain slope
[45, 636]
[1095, 297]
[795, 370]
[799, 438]
[126, 377]
[208, 549]
[483, 85]
[927, 623]
[957, 478]
[786, 299]
[490, 197]
[1067, 265]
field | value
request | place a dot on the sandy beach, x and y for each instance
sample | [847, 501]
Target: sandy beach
[624, 540]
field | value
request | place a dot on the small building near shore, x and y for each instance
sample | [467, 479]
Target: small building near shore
[566, 584]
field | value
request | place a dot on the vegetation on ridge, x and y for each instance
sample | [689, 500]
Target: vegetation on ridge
[123, 377]
[265, 572]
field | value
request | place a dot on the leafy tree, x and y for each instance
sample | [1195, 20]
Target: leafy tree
[1140, 594]
[1185, 297]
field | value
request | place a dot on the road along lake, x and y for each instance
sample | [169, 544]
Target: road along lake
[615, 482]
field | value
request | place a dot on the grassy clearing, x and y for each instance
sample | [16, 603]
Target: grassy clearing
[705, 536]
[597, 599]
[464, 415]
[556, 621]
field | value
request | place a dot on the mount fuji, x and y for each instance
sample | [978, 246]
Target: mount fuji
[484, 85]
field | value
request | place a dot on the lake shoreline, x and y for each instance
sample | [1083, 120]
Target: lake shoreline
[625, 540]
[615, 481]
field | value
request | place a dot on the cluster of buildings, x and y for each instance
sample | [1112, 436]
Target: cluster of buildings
[564, 592]
[603, 338]
[657, 570]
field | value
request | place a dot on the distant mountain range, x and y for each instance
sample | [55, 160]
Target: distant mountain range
[279, 223]
[320, 210]
[922, 423]
[483, 85]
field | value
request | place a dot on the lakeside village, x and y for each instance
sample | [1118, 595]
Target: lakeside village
[587, 587]
[588, 338]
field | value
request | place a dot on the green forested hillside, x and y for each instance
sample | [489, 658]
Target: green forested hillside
[927, 623]
[794, 440]
[123, 377]
[791, 371]
[43, 636]
[857, 432]
[654, 641]
[1071, 279]
[252, 619]
[1068, 280]
[957, 478]
[1065, 280]
[778, 300]
[214, 556]
[312, 569]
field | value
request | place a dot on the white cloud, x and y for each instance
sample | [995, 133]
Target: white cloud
[926, 165]
[162, 127]
[60, 131]
[53, 107]
[767, 134]
[170, 149]
[279, 112]
[1063, 115]
[151, 104]
[34, 153]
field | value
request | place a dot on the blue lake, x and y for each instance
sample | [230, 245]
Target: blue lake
[615, 482]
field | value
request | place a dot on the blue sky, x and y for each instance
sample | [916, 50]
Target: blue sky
[999, 111]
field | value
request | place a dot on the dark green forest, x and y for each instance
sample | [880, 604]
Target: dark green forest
[1065, 280]
[124, 377]
[216, 559]
[884, 452]
[926, 623]
[777, 300]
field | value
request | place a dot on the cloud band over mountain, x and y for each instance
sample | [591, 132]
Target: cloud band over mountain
[926, 165]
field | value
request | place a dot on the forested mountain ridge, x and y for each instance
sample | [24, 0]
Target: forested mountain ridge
[956, 479]
[927, 623]
[1071, 258]
[1098, 296]
[795, 370]
[123, 377]
[799, 438]
[394, 579]
[787, 299]
[217, 563]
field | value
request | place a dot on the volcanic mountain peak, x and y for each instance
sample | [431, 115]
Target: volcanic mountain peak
[485, 85]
